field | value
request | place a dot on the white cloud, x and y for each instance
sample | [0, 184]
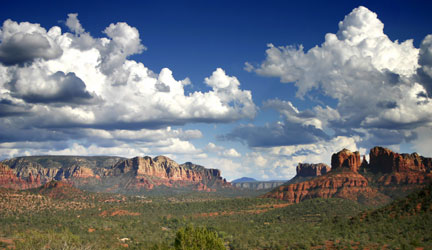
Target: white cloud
[171, 142]
[25, 42]
[422, 144]
[73, 23]
[128, 94]
[231, 153]
[221, 151]
[229, 168]
[375, 80]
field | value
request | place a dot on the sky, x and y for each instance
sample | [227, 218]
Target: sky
[249, 87]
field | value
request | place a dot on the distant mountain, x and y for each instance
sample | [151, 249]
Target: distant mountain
[389, 175]
[244, 179]
[109, 174]
[251, 183]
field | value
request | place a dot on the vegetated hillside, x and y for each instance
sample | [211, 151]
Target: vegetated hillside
[115, 174]
[33, 219]
[59, 190]
[388, 176]
[403, 224]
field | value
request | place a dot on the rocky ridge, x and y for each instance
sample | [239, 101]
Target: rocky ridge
[110, 174]
[311, 170]
[386, 175]
[8, 179]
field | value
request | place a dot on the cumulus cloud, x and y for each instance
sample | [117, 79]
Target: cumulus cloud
[279, 163]
[73, 23]
[276, 134]
[298, 127]
[221, 151]
[25, 42]
[425, 61]
[98, 71]
[126, 143]
[34, 86]
[378, 84]
[67, 92]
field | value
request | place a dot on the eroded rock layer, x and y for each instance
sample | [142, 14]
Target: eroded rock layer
[109, 174]
[311, 170]
[388, 175]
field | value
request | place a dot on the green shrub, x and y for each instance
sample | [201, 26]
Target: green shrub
[191, 238]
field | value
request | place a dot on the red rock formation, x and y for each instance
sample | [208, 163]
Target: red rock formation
[59, 190]
[383, 160]
[346, 159]
[393, 174]
[161, 171]
[405, 178]
[8, 179]
[116, 174]
[311, 170]
[343, 184]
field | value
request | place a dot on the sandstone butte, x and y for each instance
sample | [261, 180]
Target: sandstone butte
[109, 174]
[311, 170]
[351, 178]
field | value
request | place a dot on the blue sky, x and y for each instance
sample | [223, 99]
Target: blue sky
[249, 87]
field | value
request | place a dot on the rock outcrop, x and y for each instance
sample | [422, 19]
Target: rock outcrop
[59, 190]
[8, 179]
[111, 174]
[342, 184]
[383, 160]
[312, 170]
[389, 175]
[410, 171]
[346, 159]
[161, 171]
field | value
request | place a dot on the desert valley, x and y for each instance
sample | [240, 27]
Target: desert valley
[216, 125]
[73, 202]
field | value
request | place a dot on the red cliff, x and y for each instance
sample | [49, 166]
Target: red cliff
[343, 184]
[311, 170]
[113, 174]
[397, 169]
[346, 159]
[8, 179]
[392, 175]
[383, 160]
[161, 171]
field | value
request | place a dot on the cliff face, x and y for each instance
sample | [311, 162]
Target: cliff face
[111, 174]
[343, 184]
[61, 167]
[389, 175]
[311, 170]
[398, 174]
[346, 159]
[8, 179]
[342, 181]
[383, 160]
[161, 171]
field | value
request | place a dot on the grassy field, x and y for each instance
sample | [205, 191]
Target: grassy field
[31, 220]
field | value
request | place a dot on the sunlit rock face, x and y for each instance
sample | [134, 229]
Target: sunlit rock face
[385, 161]
[110, 174]
[388, 175]
[8, 179]
[346, 159]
